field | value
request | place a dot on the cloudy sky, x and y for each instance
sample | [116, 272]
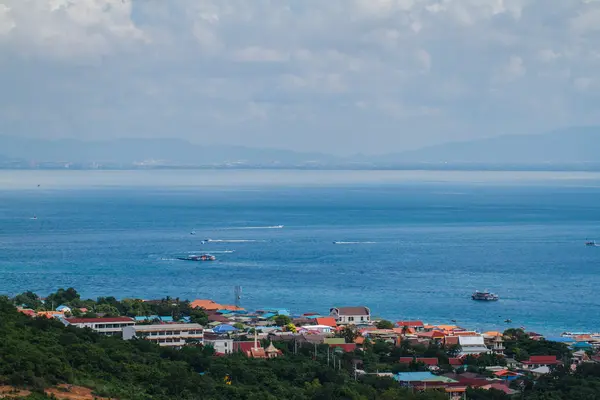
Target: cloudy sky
[339, 76]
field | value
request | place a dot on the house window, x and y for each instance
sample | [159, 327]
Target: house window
[225, 344]
[362, 319]
[350, 319]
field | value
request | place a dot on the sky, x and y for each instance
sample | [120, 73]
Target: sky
[336, 76]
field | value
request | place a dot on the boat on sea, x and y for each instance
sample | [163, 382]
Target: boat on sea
[591, 243]
[203, 257]
[484, 296]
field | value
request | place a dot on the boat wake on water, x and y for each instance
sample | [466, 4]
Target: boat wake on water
[338, 242]
[230, 241]
[256, 227]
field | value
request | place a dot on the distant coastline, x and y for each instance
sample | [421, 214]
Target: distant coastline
[574, 167]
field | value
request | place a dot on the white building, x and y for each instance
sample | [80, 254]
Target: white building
[472, 345]
[175, 335]
[105, 326]
[221, 344]
[351, 315]
[318, 328]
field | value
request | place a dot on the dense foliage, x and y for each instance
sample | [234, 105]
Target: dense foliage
[38, 352]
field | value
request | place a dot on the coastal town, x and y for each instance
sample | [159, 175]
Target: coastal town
[419, 355]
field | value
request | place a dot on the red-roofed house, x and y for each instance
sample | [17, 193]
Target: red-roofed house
[432, 335]
[429, 361]
[244, 347]
[326, 321]
[417, 326]
[27, 311]
[105, 326]
[455, 362]
[347, 347]
[540, 361]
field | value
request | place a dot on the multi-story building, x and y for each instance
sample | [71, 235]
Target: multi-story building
[105, 326]
[351, 315]
[175, 335]
[221, 343]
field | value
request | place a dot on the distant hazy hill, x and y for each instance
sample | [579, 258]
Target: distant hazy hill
[573, 145]
[136, 150]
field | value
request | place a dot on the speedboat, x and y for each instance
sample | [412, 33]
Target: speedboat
[590, 243]
[484, 296]
[203, 257]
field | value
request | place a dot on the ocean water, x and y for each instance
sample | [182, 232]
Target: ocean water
[416, 244]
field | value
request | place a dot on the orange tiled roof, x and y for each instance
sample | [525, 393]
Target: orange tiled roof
[446, 327]
[493, 334]
[359, 340]
[210, 305]
[50, 314]
[465, 333]
[328, 321]
[206, 304]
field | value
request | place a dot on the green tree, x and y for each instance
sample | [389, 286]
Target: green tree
[349, 333]
[198, 316]
[384, 324]
[282, 320]
[28, 300]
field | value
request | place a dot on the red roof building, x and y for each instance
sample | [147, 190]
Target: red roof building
[429, 361]
[326, 321]
[416, 325]
[540, 361]
[244, 347]
[455, 362]
[347, 347]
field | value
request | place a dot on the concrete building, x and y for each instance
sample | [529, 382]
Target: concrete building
[174, 335]
[222, 344]
[351, 315]
[105, 326]
[472, 345]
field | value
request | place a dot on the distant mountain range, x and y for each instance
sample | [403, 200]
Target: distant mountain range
[572, 145]
[566, 146]
[129, 151]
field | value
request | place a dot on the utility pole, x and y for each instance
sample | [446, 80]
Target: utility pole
[328, 356]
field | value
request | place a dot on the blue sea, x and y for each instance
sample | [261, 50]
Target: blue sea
[415, 245]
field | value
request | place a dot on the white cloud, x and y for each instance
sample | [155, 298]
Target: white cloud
[65, 28]
[548, 55]
[242, 71]
[512, 70]
[259, 54]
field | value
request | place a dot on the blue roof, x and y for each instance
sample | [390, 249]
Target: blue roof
[561, 339]
[422, 377]
[582, 345]
[224, 311]
[186, 319]
[60, 308]
[283, 312]
[414, 376]
[166, 319]
[313, 317]
[224, 328]
[268, 315]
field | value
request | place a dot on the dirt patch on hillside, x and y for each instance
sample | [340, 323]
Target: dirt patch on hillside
[62, 392]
